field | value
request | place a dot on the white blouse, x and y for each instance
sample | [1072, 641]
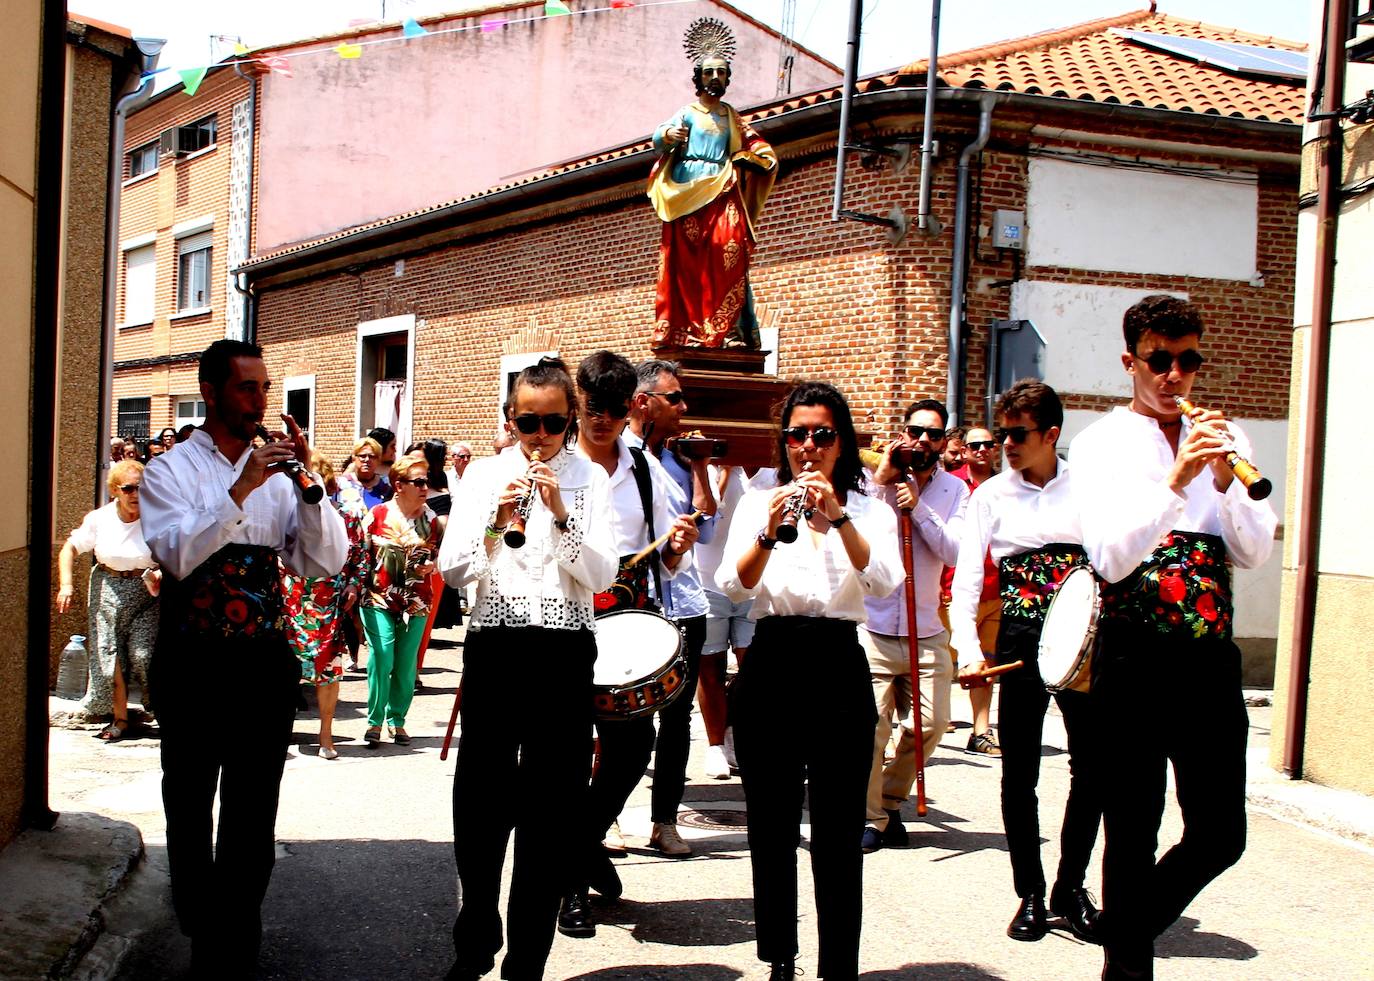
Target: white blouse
[809, 578]
[118, 544]
[550, 580]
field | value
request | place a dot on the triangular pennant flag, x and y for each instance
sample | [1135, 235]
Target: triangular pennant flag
[191, 78]
[276, 64]
[621, 4]
[346, 50]
[410, 27]
[240, 48]
[494, 24]
[556, 8]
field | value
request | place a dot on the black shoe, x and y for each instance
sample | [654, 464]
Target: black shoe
[1029, 921]
[894, 835]
[1118, 968]
[1076, 909]
[602, 876]
[872, 841]
[783, 971]
[574, 917]
[458, 972]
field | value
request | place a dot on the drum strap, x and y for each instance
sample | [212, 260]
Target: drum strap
[641, 472]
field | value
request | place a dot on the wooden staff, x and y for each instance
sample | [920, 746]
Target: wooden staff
[656, 544]
[915, 664]
[452, 721]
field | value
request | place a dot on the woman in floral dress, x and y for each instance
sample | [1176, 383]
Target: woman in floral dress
[402, 543]
[316, 608]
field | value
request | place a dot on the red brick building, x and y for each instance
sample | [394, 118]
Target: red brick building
[1137, 169]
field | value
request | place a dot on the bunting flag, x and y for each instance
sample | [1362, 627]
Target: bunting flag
[410, 27]
[495, 24]
[622, 4]
[556, 8]
[276, 64]
[349, 51]
[192, 77]
[240, 48]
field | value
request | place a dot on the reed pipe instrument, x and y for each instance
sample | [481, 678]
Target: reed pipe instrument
[515, 531]
[794, 512]
[309, 490]
[1256, 484]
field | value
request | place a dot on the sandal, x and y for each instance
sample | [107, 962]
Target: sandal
[373, 737]
[114, 732]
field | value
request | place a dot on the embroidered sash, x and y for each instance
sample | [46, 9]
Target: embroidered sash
[1028, 580]
[1182, 591]
[630, 591]
[235, 594]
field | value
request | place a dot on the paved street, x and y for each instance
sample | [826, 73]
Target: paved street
[364, 886]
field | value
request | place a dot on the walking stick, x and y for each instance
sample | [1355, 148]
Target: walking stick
[452, 721]
[915, 664]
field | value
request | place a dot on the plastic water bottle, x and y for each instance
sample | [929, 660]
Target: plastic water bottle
[73, 671]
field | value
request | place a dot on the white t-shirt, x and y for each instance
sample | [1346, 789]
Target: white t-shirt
[117, 543]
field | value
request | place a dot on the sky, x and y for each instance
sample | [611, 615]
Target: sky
[895, 32]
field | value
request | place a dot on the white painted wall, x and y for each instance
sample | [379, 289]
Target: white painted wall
[1082, 329]
[1119, 220]
[1347, 536]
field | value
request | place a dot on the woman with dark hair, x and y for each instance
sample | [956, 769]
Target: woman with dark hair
[167, 437]
[534, 605]
[435, 452]
[808, 602]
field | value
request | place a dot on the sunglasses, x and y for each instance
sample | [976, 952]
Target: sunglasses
[128, 488]
[611, 410]
[821, 436]
[1160, 362]
[421, 482]
[529, 423]
[1017, 434]
[672, 398]
[934, 434]
[981, 444]
[462, 456]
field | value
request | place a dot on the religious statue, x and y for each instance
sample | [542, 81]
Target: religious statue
[708, 187]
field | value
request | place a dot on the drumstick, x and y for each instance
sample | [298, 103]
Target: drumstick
[452, 721]
[656, 544]
[1000, 669]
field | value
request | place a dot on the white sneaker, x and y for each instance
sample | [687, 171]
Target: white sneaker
[717, 767]
[729, 748]
[666, 839]
[614, 840]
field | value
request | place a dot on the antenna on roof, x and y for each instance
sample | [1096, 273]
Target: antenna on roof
[787, 48]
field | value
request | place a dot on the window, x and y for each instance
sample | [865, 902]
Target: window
[140, 280]
[196, 136]
[143, 160]
[190, 411]
[385, 362]
[193, 272]
[299, 400]
[132, 421]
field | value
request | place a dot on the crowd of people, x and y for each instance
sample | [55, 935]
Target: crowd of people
[591, 508]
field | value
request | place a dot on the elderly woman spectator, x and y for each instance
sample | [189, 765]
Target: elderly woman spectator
[122, 599]
[364, 474]
[403, 542]
[316, 609]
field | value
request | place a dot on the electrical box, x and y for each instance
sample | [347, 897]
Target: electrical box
[1008, 229]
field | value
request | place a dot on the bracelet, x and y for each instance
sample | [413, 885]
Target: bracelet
[841, 521]
[494, 532]
[764, 542]
[564, 524]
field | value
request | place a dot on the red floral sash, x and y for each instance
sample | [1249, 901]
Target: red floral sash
[630, 591]
[1028, 580]
[1183, 590]
[235, 594]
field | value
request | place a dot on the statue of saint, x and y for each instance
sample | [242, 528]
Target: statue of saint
[708, 187]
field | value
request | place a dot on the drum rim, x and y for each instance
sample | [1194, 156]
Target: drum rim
[1089, 642]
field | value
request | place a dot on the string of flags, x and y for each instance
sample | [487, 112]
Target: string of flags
[280, 64]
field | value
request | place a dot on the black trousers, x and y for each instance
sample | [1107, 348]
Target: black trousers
[217, 889]
[1149, 697]
[504, 759]
[1021, 707]
[627, 746]
[803, 714]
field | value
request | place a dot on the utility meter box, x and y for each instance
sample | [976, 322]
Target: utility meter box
[1008, 229]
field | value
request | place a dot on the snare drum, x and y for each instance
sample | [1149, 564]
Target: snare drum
[1069, 635]
[640, 664]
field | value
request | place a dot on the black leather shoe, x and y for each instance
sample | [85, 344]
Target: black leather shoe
[1029, 921]
[602, 876]
[894, 835]
[1076, 909]
[575, 917]
[783, 971]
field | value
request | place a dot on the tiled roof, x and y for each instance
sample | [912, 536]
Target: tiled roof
[1088, 62]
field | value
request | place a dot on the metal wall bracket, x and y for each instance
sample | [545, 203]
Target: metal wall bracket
[895, 222]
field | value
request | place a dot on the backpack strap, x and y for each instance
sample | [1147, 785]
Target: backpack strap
[641, 472]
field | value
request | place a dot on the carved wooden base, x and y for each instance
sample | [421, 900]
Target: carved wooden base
[730, 398]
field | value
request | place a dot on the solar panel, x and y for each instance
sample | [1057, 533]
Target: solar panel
[1248, 58]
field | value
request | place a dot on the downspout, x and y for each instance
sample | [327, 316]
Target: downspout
[851, 74]
[1329, 171]
[249, 330]
[923, 218]
[954, 386]
[148, 51]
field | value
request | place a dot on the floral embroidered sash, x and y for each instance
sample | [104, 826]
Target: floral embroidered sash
[630, 591]
[235, 594]
[1183, 590]
[1028, 580]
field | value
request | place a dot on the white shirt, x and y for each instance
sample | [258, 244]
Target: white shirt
[1120, 465]
[550, 580]
[188, 514]
[117, 543]
[629, 532]
[708, 554]
[937, 521]
[1007, 515]
[801, 579]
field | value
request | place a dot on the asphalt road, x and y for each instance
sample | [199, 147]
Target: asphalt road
[364, 886]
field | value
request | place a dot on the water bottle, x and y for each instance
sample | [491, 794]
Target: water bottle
[73, 671]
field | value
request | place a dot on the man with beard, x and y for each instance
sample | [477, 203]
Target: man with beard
[708, 187]
[218, 516]
[936, 502]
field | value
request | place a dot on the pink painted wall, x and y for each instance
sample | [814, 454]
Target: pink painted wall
[414, 124]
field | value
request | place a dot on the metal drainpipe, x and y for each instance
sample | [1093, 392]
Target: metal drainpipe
[250, 306]
[851, 74]
[923, 217]
[148, 50]
[954, 387]
[1329, 171]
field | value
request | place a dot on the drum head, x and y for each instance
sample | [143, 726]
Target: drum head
[632, 644]
[1068, 624]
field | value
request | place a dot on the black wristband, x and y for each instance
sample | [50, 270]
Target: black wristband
[764, 542]
[841, 521]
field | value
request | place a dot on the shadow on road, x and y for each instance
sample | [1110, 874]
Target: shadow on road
[685, 922]
[663, 972]
[1183, 939]
[946, 971]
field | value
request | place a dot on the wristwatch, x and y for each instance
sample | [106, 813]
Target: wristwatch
[764, 542]
[841, 521]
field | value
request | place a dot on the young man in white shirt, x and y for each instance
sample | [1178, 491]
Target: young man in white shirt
[1027, 518]
[935, 500]
[1148, 481]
